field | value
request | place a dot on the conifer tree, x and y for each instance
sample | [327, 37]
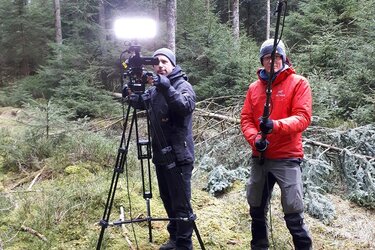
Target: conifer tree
[26, 29]
[333, 42]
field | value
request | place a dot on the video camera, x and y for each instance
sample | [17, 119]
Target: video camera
[134, 69]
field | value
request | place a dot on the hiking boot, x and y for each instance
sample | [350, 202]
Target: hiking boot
[169, 245]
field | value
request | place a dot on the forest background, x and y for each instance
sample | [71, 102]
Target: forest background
[61, 124]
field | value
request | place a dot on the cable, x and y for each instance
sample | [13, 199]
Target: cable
[270, 212]
[130, 203]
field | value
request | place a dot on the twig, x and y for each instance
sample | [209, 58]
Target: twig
[70, 208]
[20, 182]
[109, 125]
[21, 191]
[34, 180]
[205, 127]
[33, 232]
[221, 97]
[124, 230]
[215, 136]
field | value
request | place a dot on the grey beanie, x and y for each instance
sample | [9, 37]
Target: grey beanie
[267, 47]
[168, 53]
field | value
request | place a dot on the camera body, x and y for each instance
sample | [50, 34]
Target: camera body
[134, 70]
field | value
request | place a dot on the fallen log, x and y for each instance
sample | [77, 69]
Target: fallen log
[217, 116]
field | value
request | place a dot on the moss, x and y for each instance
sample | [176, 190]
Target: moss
[79, 170]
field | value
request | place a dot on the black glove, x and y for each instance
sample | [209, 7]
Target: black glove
[162, 82]
[261, 145]
[134, 98]
[267, 126]
[125, 91]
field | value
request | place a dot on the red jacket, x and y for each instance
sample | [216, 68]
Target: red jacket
[290, 110]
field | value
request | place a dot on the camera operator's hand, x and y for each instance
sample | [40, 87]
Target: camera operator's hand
[125, 91]
[134, 98]
[162, 82]
[267, 126]
[261, 145]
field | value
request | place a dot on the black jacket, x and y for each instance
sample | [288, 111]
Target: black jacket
[170, 114]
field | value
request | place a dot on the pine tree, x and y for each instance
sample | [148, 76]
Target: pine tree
[26, 29]
[333, 42]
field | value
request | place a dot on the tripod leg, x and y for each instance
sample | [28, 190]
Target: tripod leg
[144, 154]
[149, 221]
[196, 231]
[119, 168]
[107, 211]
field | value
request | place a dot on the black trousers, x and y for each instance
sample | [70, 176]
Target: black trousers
[175, 192]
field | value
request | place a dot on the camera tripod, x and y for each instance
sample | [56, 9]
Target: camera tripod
[144, 155]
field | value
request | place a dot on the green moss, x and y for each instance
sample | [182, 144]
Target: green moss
[77, 170]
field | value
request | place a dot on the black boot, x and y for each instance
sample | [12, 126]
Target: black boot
[299, 231]
[184, 234]
[169, 245]
[259, 232]
[259, 228]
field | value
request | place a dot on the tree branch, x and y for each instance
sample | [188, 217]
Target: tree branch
[370, 158]
[218, 116]
[33, 232]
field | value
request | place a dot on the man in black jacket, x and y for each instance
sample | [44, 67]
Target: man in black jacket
[170, 105]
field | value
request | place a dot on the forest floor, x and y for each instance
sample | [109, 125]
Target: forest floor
[8, 116]
[352, 228]
[352, 223]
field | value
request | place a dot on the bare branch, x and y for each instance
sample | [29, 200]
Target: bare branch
[33, 232]
[218, 116]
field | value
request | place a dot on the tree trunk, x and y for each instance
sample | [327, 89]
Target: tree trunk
[24, 66]
[235, 19]
[156, 15]
[171, 24]
[102, 35]
[58, 32]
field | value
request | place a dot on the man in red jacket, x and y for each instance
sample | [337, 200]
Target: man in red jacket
[282, 151]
